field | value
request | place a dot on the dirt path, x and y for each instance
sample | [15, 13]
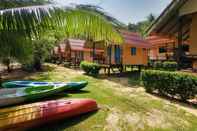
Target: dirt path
[183, 106]
[120, 86]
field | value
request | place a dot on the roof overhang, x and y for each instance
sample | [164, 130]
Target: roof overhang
[168, 23]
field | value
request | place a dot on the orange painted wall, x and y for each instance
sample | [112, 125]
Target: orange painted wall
[141, 57]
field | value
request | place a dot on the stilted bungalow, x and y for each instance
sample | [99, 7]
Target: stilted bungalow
[164, 48]
[179, 20]
[133, 52]
[75, 51]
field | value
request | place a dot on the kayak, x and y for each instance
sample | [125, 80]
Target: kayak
[32, 115]
[12, 96]
[73, 86]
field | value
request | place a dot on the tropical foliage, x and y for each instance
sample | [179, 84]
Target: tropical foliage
[141, 26]
[90, 68]
[30, 21]
[172, 84]
[21, 27]
[166, 65]
[5, 4]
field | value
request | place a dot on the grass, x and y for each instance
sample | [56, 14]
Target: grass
[124, 106]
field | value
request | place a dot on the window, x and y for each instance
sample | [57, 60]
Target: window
[133, 51]
[162, 50]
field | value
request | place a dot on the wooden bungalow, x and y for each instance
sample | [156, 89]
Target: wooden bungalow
[164, 48]
[133, 52]
[179, 20]
[75, 51]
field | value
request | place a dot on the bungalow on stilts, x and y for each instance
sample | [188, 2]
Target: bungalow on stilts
[179, 20]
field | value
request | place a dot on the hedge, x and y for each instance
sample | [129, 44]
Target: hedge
[158, 65]
[166, 65]
[90, 68]
[173, 84]
[170, 65]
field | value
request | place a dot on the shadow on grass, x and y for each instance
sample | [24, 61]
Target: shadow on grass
[47, 67]
[78, 92]
[19, 74]
[188, 104]
[61, 125]
[128, 79]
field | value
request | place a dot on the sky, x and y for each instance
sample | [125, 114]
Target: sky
[126, 11]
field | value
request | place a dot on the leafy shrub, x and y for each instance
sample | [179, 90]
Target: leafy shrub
[166, 66]
[170, 65]
[90, 68]
[150, 63]
[157, 65]
[173, 84]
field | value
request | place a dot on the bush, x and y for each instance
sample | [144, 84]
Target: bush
[170, 65]
[166, 66]
[173, 84]
[150, 63]
[158, 65]
[90, 68]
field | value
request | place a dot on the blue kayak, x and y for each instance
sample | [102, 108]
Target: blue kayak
[73, 86]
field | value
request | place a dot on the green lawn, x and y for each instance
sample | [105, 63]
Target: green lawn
[124, 106]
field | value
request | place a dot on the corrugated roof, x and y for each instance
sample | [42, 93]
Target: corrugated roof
[134, 39]
[79, 45]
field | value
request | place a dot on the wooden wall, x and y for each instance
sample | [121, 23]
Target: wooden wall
[193, 39]
[141, 57]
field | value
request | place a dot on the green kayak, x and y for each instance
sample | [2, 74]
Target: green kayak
[12, 96]
[73, 86]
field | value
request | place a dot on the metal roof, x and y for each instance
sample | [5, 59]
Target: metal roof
[134, 39]
[79, 45]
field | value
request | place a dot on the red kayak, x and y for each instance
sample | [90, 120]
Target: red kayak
[31, 115]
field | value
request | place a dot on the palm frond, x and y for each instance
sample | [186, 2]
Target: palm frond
[30, 21]
[99, 10]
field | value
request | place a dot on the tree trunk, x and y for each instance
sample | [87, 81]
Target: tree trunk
[7, 63]
[38, 65]
[8, 68]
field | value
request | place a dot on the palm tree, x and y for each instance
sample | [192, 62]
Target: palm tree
[29, 22]
[5, 4]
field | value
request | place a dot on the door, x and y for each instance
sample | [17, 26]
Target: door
[117, 54]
